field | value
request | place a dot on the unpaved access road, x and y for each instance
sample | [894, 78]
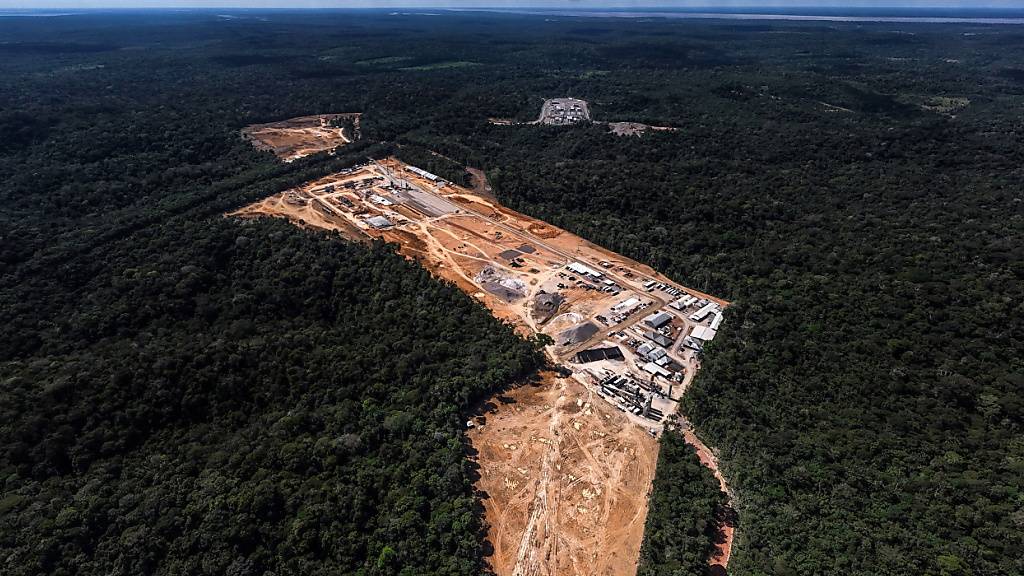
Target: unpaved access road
[727, 528]
[567, 479]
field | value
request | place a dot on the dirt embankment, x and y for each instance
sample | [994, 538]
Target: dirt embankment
[481, 186]
[566, 478]
[727, 524]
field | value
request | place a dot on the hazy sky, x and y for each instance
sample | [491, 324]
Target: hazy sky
[710, 4]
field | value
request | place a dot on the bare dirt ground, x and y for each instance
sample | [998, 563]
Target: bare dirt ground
[481, 186]
[302, 210]
[298, 137]
[635, 128]
[567, 479]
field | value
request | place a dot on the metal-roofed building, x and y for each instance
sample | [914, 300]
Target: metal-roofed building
[658, 319]
[703, 312]
[585, 270]
[423, 173]
[704, 333]
[645, 349]
[652, 368]
[659, 339]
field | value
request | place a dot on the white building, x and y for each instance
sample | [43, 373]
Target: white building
[703, 312]
[652, 368]
[705, 333]
[584, 270]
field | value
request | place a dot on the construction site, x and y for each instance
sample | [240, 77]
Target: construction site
[292, 139]
[567, 465]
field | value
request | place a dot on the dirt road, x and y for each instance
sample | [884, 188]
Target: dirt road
[727, 529]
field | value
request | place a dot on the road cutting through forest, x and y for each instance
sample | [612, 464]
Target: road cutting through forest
[566, 466]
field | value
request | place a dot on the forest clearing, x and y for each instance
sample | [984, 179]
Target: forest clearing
[189, 393]
[630, 337]
[570, 111]
[297, 137]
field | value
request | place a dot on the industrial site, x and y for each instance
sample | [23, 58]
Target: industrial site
[562, 111]
[567, 463]
[628, 332]
[571, 111]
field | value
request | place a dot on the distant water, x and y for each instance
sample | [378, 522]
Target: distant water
[766, 16]
[31, 14]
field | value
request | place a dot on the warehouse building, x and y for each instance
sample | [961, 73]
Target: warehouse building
[654, 369]
[705, 333]
[650, 352]
[423, 173]
[703, 313]
[626, 305]
[596, 354]
[659, 339]
[584, 270]
[658, 319]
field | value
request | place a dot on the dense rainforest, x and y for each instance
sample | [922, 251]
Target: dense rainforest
[245, 398]
[183, 393]
[682, 522]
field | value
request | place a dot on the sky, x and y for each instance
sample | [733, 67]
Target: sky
[575, 4]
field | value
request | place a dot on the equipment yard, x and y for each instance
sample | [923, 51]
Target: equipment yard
[630, 337]
[297, 137]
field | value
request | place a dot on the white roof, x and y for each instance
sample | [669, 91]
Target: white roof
[423, 173]
[703, 312]
[652, 368]
[581, 269]
[717, 321]
[704, 333]
[626, 304]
